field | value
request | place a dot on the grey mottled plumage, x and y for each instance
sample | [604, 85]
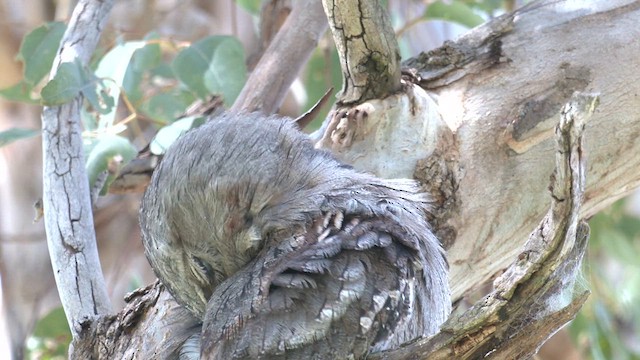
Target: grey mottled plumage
[286, 253]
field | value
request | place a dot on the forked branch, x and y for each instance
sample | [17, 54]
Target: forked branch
[537, 294]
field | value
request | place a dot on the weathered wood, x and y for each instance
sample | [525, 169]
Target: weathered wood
[151, 326]
[480, 138]
[537, 294]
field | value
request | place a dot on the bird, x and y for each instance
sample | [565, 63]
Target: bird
[284, 252]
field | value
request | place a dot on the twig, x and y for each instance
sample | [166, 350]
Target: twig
[266, 87]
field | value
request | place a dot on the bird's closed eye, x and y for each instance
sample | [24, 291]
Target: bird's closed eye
[202, 270]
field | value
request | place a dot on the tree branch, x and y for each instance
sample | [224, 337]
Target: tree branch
[537, 293]
[152, 325]
[278, 67]
[368, 50]
[481, 136]
[67, 207]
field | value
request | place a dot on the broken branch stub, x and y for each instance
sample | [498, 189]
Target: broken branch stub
[537, 294]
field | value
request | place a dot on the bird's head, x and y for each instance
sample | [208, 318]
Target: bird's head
[216, 193]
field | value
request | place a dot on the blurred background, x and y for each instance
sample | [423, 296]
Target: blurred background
[33, 324]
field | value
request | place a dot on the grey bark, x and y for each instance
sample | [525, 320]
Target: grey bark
[537, 294]
[67, 207]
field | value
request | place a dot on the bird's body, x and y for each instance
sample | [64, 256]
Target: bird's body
[286, 253]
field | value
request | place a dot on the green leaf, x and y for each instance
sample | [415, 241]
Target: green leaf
[227, 72]
[108, 147]
[11, 135]
[51, 337]
[251, 6]
[148, 56]
[66, 85]
[164, 71]
[98, 96]
[73, 79]
[213, 65]
[52, 325]
[38, 50]
[113, 68]
[20, 92]
[170, 133]
[143, 60]
[165, 107]
[454, 11]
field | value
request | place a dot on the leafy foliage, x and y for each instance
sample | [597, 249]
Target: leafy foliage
[38, 50]
[168, 134]
[73, 79]
[113, 66]
[107, 149]
[154, 85]
[214, 64]
[11, 135]
[455, 11]
[608, 326]
[51, 337]
[20, 92]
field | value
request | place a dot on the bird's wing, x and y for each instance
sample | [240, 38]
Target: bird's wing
[344, 286]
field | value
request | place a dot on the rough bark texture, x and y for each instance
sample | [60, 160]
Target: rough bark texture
[502, 128]
[151, 326]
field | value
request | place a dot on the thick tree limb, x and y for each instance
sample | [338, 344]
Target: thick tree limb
[536, 295]
[480, 137]
[151, 326]
[533, 298]
[67, 207]
[489, 152]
